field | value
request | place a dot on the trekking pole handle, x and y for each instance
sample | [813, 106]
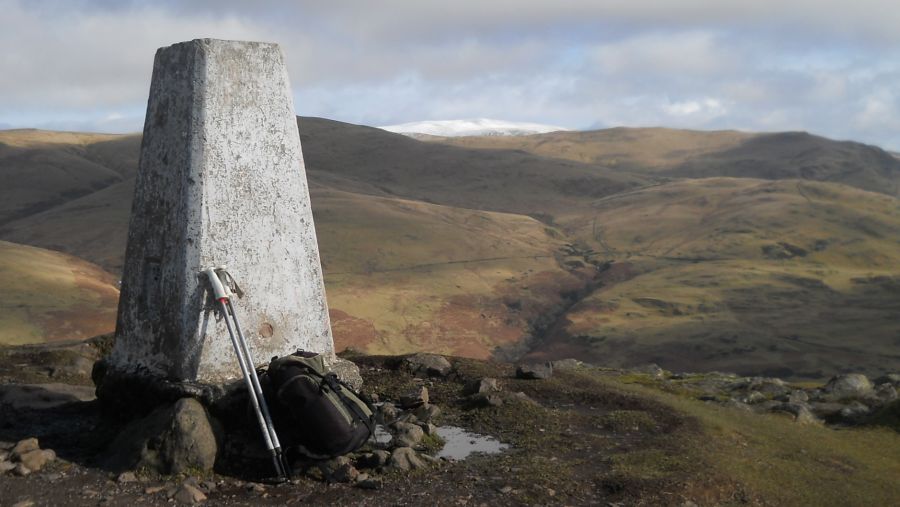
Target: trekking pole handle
[218, 288]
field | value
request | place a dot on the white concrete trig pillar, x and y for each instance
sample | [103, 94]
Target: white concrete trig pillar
[221, 182]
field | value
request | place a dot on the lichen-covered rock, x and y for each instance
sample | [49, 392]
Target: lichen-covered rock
[886, 392]
[387, 413]
[348, 372]
[427, 413]
[533, 371]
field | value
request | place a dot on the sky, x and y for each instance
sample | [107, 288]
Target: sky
[824, 66]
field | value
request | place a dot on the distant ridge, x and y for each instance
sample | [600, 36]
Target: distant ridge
[470, 127]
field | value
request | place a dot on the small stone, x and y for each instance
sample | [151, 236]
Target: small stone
[506, 490]
[428, 364]
[53, 477]
[798, 396]
[886, 392]
[21, 470]
[152, 490]
[374, 483]
[188, 494]
[523, 398]
[484, 385]
[6, 446]
[486, 400]
[36, 459]
[126, 477]
[427, 413]
[801, 412]
[375, 459]
[387, 413]
[754, 397]
[348, 372]
[407, 435]
[23, 446]
[534, 371]
[428, 428]
[651, 369]
[890, 378]
[4, 455]
[345, 473]
[24, 503]
[256, 488]
[415, 399]
[405, 458]
[6, 466]
[567, 364]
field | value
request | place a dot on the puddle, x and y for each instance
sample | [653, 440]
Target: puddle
[461, 443]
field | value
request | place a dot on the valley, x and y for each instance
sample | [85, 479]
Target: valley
[754, 253]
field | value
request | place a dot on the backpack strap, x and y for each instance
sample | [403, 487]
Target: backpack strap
[336, 385]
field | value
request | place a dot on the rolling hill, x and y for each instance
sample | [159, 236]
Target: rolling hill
[49, 296]
[624, 246]
[700, 154]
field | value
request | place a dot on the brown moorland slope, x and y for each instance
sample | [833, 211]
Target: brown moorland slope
[701, 154]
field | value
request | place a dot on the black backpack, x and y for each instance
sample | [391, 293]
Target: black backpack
[321, 415]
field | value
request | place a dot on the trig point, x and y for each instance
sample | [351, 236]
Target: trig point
[221, 183]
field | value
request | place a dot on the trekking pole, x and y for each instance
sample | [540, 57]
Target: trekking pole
[248, 358]
[248, 369]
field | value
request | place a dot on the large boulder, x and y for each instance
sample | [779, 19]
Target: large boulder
[849, 386]
[173, 439]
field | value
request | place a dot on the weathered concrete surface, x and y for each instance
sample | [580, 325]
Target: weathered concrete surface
[221, 182]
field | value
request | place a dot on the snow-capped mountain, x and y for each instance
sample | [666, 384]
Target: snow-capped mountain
[473, 127]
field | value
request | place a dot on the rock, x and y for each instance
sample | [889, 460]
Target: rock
[849, 386]
[427, 413]
[4, 455]
[188, 494]
[126, 477]
[534, 371]
[21, 470]
[523, 398]
[374, 459]
[801, 412]
[345, 473]
[854, 410]
[407, 435]
[767, 386]
[152, 490]
[6, 446]
[798, 396]
[428, 364]
[24, 503]
[890, 378]
[348, 372]
[484, 385]
[486, 400]
[405, 458]
[35, 460]
[331, 466]
[172, 439]
[755, 397]
[651, 369]
[415, 399]
[6, 466]
[374, 483]
[23, 446]
[387, 413]
[826, 410]
[567, 364]
[428, 428]
[739, 405]
[886, 392]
